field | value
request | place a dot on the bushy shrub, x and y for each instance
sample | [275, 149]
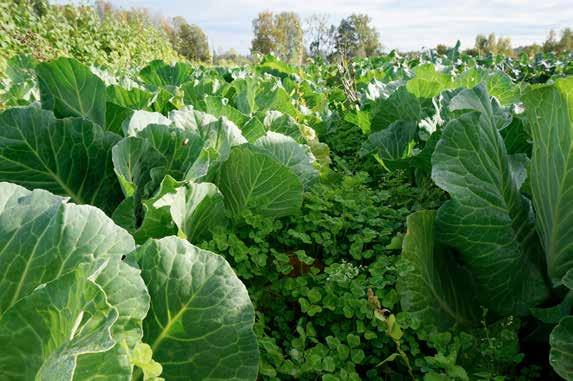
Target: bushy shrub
[110, 38]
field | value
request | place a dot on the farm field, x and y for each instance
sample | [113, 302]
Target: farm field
[394, 217]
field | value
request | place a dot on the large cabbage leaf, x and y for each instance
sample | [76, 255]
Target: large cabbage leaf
[393, 145]
[550, 115]
[42, 237]
[126, 291]
[70, 89]
[428, 82]
[69, 157]
[200, 325]
[196, 208]
[56, 319]
[561, 339]
[561, 354]
[47, 330]
[498, 84]
[219, 134]
[252, 180]
[141, 162]
[293, 155]
[159, 74]
[487, 219]
[434, 289]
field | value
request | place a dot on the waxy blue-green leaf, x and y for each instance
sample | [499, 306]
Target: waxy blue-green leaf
[401, 105]
[47, 330]
[284, 124]
[166, 100]
[487, 219]
[156, 221]
[70, 89]
[42, 237]
[196, 209]
[435, 290]
[219, 134]
[140, 119]
[218, 106]
[115, 117]
[245, 95]
[550, 114]
[69, 157]
[478, 99]
[272, 96]
[498, 84]
[195, 92]
[271, 64]
[42, 241]
[561, 338]
[251, 127]
[561, 353]
[428, 82]
[255, 181]
[200, 325]
[291, 154]
[142, 161]
[134, 99]
[393, 145]
[159, 74]
[127, 293]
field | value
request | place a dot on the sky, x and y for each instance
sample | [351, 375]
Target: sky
[404, 25]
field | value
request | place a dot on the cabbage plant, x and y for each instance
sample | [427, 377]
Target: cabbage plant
[157, 165]
[503, 241]
[80, 301]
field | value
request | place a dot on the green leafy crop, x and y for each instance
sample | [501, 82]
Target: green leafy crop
[397, 217]
[71, 308]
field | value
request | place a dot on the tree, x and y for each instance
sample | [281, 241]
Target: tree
[441, 49]
[367, 35]
[503, 46]
[288, 33]
[566, 41]
[193, 43]
[230, 57]
[355, 37]
[190, 41]
[264, 31]
[280, 34]
[492, 45]
[530, 50]
[346, 40]
[481, 44]
[550, 44]
[319, 35]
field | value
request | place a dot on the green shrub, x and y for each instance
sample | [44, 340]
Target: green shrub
[114, 39]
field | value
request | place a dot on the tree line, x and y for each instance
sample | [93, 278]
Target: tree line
[491, 44]
[293, 39]
[285, 35]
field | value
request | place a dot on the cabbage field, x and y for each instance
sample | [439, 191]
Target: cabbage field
[390, 218]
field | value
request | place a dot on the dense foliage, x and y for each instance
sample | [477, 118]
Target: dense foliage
[391, 218]
[103, 37]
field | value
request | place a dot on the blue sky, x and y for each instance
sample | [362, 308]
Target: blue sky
[406, 25]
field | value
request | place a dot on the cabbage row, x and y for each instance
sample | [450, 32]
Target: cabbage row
[500, 246]
[108, 182]
[100, 279]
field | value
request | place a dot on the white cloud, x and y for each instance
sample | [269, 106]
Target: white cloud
[407, 25]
